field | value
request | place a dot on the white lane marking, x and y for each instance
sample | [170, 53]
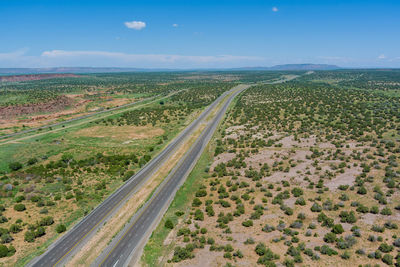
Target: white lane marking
[115, 264]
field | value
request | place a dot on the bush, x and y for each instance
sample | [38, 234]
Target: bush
[385, 248]
[29, 236]
[3, 251]
[261, 249]
[15, 166]
[40, 231]
[169, 224]
[15, 228]
[201, 193]
[337, 229]
[181, 254]
[388, 259]
[330, 238]
[196, 202]
[297, 192]
[61, 228]
[46, 221]
[316, 208]
[32, 161]
[19, 207]
[247, 223]
[198, 215]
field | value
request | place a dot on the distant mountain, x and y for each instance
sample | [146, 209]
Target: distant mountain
[307, 66]
[13, 71]
[69, 70]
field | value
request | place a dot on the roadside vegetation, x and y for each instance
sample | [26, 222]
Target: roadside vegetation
[50, 181]
[303, 173]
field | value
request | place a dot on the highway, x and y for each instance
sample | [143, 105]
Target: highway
[68, 244]
[121, 251]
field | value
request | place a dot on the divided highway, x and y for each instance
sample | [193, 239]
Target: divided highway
[128, 244]
[57, 253]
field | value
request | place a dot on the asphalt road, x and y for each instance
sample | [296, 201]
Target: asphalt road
[79, 234]
[140, 228]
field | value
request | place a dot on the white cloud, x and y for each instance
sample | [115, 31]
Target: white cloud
[136, 25]
[381, 56]
[275, 9]
[175, 25]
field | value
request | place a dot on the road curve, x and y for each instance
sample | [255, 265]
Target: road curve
[80, 233]
[120, 252]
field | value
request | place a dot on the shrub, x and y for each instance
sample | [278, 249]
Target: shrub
[60, 228]
[46, 221]
[15, 228]
[247, 223]
[330, 237]
[19, 207]
[15, 166]
[261, 249]
[40, 231]
[316, 208]
[29, 236]
[337, 229]
[297, 192]
[179, 213]
[201, 193]
[3, 251]
[388, 259]
[198, 215]
[328, 251]
[169, 224]
[196, 202]
[385, 248]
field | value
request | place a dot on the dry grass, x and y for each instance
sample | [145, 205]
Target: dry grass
[121, 133]
[99, 242]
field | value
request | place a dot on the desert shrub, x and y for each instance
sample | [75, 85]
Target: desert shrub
[196, 202]
[198, 215]
[388, 259]
[19, 207]
[29, 236]
[3, 251]
[60, 228]
[169, 224]
[337, 229]
[15, 166]
[247, 223]
[316, 208]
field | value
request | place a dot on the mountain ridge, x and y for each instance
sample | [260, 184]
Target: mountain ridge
[306, 66]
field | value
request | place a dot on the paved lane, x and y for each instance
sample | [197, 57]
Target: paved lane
[143, 223]
[80, 233]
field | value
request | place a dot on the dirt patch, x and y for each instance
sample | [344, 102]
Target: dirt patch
[56, 104]
[121, 132]
[35, 77]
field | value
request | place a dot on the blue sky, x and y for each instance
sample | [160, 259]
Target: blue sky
[198, 34]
